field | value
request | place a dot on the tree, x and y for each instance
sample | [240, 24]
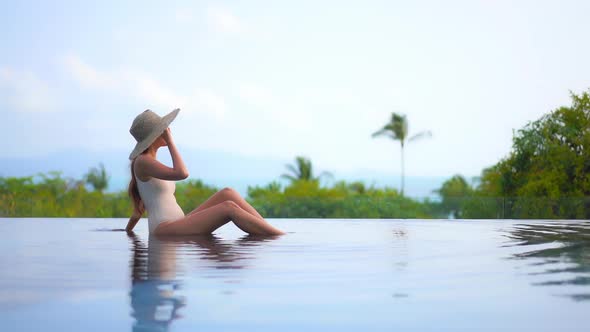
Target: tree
[97, 178]
[453, 193]
[302, 170]
[273, 188]
[547, 172]
[397, 130]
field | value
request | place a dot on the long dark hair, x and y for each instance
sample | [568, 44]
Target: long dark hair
[138, 207]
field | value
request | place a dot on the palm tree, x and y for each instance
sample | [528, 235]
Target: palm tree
[302, 170]
[97, 178]
[397, 130]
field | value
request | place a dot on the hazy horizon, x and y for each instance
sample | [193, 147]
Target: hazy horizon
[214, 168]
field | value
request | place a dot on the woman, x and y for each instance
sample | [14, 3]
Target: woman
[152, 188]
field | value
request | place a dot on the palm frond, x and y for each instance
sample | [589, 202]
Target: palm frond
[423, 134]
[380, 132]
[293, 170]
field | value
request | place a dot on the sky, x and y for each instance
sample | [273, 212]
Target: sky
[279, 79]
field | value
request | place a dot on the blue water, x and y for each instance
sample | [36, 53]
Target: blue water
[342, 275]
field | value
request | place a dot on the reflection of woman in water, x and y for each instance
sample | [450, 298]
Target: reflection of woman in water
[152, 188]
[154, 275]
[153, 279]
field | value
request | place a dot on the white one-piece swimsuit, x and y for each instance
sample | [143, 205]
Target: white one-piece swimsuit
[158, 197]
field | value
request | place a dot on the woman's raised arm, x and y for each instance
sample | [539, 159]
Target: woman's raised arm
[153, 167]
[177, 162]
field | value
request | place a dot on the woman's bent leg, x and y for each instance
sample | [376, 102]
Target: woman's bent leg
[236, 197]
[209, 219]
[225, 194]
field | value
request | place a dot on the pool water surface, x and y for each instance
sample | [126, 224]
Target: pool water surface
[324, 275]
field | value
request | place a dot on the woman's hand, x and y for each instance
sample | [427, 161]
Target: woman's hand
[132, 222]
[167, 136]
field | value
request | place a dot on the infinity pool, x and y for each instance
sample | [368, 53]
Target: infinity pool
[324, 275]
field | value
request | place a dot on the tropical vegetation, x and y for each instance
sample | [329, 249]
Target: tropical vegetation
[545, 175]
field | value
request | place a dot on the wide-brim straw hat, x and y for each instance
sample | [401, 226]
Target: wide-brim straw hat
[147, 126]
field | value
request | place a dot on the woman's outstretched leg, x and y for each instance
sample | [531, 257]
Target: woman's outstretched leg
[225, 194]
[209, 219]
[252, 224]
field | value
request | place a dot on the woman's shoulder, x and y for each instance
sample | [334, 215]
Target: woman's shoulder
[138, 169]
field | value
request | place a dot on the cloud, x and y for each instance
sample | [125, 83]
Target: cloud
[134, 84]
[26, 92]
[85, 74]
[146, 88]
[223, 20]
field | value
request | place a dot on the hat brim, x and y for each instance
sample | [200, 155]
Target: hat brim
[157, 131]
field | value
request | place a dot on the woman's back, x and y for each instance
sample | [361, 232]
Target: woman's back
[158, 197]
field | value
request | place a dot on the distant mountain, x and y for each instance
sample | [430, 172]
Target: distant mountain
[215, 168]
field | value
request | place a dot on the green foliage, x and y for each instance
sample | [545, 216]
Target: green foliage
[55, 196]
[192, 193]
[551, 156]
[546, 174]
[97, 178]
[548, 169]
[396, 128]
[302, 170]
[306, 199]
[454, 193]
[51, 195]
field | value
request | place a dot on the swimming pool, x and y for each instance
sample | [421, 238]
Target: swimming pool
[325, 274]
